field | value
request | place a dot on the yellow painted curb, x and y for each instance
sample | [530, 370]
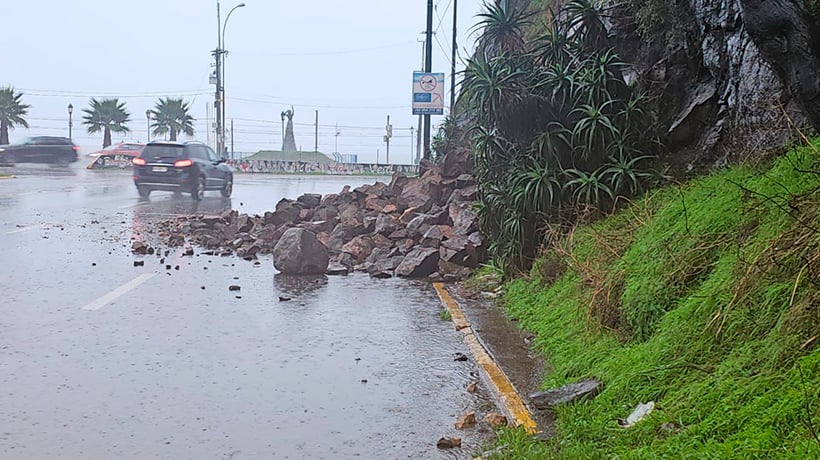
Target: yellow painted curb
[505, 393]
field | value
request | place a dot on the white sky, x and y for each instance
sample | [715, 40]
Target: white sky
[351, 60]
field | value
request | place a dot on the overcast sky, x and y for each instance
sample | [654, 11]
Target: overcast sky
[350, 60]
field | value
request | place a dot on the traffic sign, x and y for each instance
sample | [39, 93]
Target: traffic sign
[428, 93]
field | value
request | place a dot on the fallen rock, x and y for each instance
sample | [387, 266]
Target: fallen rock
[336, 269]
[139, 247]
[310, 200]
[384, 268]
[466, 421]
[299, 252]
[448, 443]
[359, 247]
[472, 388]
[234, 287]
[418, 263]
[566, 394]
[495, 420]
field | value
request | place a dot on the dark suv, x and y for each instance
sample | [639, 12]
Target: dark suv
[190, 167]
[41, 149]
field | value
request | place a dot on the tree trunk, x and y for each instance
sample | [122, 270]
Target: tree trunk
[173, 135]
[4, 133]
[787, 38]
[106, 137]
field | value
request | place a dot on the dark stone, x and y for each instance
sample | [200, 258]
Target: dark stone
[459, 250]
[465, 220]
[448, 443]
[566, 394]
[418, 263]
[234, 287]
[384, 268]
[310, 200]
[299, 252]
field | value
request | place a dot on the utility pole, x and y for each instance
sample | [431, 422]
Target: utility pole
[412, 141]
[232, 154]
[419, 147]
[316, 133]
[388, 134]
[428, 67]
[453, 61]
[220, 142]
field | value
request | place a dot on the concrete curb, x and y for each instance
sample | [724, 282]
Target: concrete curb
[500, 386]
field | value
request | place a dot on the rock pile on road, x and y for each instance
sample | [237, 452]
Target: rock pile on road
[412, 227]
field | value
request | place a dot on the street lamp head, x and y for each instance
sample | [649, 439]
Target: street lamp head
[70, 108]
[148, 114]
[240, 5]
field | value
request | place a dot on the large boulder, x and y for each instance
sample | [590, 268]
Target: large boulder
[418, 263]
[299, 252]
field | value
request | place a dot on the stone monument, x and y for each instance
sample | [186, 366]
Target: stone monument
[288, 141]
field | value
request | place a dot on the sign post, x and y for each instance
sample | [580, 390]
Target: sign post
[428, 93]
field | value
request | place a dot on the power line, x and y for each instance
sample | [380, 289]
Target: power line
[329, 53]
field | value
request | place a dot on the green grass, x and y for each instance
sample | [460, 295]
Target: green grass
[278, 155]
[701, 297]
[445, 315]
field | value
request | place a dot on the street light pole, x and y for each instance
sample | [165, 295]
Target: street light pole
[70, 119]
[225, 53]
[148, 121]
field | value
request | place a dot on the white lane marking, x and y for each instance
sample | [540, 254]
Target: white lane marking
[120, 291]
[25, 229]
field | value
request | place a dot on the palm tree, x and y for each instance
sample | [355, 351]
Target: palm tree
[106, 115]
[170, 116]
[12, 112]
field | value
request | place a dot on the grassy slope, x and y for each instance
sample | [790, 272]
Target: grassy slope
[710, 291]
[278, 155]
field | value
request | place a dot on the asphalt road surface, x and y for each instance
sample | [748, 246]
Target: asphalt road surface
[101, 359]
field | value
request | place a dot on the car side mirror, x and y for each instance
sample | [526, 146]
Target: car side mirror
[220, 161]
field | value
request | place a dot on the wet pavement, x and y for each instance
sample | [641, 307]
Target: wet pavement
[100, 358]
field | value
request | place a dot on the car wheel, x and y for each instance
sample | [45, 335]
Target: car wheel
[199, 189]
[143, 191]
[228, 188]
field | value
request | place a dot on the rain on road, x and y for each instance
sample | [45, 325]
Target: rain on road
[101, 359]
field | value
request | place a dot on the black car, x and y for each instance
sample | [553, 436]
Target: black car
[41, 149]
[190, 167]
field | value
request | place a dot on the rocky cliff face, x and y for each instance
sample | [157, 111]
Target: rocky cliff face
[715, 98]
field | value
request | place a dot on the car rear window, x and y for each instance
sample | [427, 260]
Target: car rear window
[158, 152]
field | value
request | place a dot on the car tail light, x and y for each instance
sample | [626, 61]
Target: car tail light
[76, 148]
[138, 161]
[183, 163]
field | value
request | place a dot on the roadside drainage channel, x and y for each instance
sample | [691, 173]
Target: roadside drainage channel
[504, 393]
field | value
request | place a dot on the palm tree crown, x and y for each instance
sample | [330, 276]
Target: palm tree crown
[170, 116]
[106, 115]
[12, 112]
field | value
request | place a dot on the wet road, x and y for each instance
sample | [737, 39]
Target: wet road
[103, 359]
